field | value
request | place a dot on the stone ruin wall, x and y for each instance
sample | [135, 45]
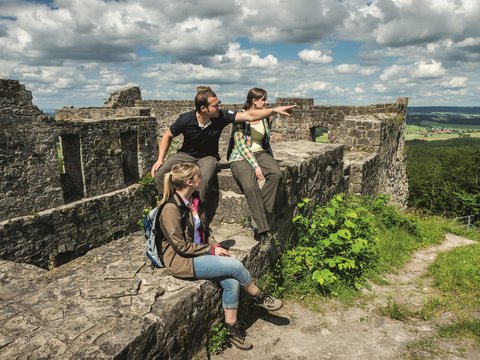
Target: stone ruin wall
[28, 160]
[33, 187]
[53, 210]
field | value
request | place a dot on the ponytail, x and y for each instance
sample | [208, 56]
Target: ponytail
[168, 187]
[177, 179]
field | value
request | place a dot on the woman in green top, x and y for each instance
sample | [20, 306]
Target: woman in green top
[252, 164]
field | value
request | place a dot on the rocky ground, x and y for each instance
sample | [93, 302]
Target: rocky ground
[360, 331]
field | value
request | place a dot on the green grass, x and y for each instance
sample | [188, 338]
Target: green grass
[410, 129]
[457, 274]
[396, 245]
[466, 328]
[396, 311]
[322, 138]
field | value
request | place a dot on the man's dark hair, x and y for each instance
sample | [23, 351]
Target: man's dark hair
[201, 99]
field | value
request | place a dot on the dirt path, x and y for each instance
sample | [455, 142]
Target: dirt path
[360, 331]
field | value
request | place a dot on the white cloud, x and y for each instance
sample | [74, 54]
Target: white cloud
[314, 56]
[294, 21]
[356, 69]
[312, 86]
[392, 71]
[379, 88]
[428, 70]
[192, 74]
[239, 58]
[358, 90]
[77, 50]
[457, 82]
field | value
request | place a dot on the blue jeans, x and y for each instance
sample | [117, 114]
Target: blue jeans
[230, 273]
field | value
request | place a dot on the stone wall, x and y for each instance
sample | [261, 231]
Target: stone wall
[30, 180]
[95, 113]
[125, 97]
[55, 236]
[85, 152]
[104, 152]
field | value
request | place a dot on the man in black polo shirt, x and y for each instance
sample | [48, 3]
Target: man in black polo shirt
[201, 131]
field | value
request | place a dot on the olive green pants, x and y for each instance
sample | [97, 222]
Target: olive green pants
[260, 201]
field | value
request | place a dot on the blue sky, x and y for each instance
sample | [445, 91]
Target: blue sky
[75, 52]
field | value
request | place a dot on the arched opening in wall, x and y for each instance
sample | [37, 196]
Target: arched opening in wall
[70, 167]
[129, 145]
[319, 134]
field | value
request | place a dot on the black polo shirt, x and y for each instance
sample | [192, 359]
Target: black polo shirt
[197, 142]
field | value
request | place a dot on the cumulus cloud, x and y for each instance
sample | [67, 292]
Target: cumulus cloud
[86, 47]
[192, 74]
[294, 21]
[312, 86]
[356, 69]
[358, 90]
[379, 88]
[314, 56]
[456, 82]
[393, 72]
[428, 70]
[241, 58]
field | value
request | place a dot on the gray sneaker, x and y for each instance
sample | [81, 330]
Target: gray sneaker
[267, 301]
[237, 336]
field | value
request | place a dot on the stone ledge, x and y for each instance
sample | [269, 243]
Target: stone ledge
[109, 303]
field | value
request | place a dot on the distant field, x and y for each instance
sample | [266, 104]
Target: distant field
[438, 136]
[455, 118]
[449, 126]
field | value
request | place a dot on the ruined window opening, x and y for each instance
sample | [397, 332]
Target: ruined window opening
[129, 143]
[71, 177]
[319, 134]
[61, 164]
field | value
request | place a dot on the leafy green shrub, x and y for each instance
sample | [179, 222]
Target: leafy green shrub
[217, 339]
[333, 244]
[145, 211]
[147, 179]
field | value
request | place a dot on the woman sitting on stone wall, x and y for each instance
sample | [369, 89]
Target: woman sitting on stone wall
[194, 254]
[251, 161]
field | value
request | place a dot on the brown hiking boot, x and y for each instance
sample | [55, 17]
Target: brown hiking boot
[266, 239]
[237, 336]
[268, 302]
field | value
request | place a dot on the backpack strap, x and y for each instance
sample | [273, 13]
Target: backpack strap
[184, 211]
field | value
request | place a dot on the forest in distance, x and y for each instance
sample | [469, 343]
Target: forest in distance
[444, 177]
[443, 160]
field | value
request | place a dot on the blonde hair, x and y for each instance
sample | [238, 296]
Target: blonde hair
[177, 178]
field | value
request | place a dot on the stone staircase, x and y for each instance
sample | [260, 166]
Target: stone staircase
[110, 303]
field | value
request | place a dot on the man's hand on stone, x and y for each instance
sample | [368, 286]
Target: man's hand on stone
[156, 166]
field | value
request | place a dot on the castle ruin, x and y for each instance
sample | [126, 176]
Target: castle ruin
[75, 282]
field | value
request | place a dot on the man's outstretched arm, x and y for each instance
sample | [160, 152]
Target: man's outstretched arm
[257, 114]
